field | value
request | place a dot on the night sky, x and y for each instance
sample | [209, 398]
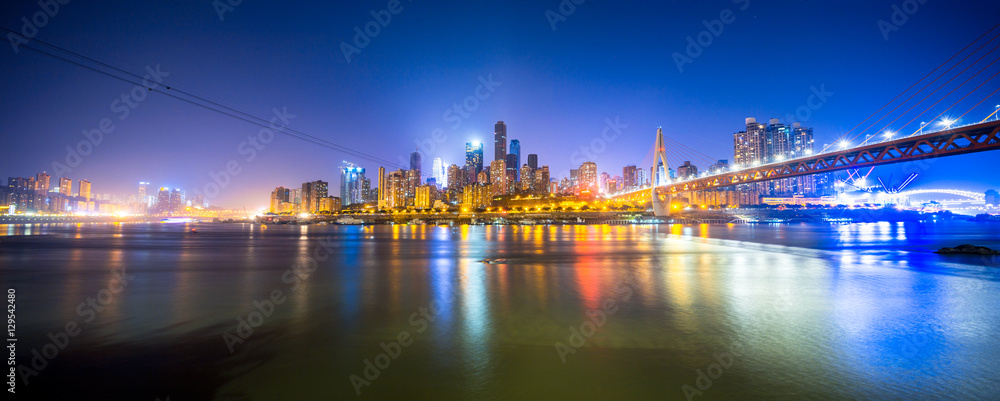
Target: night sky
[556, 90]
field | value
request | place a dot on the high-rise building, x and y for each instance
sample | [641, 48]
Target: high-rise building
[395, 191]
[533, 161]
[455, 181]
[311, 193]
[719, 167]
[515, 149]
[474, 158]
[749, 145]
[329, 204]
[511, 162]
[630, 178]
[416, 161]
[280, 201]
[381, 189]
[527, 179]
[425, 197]
[687, 171]
[162, 200]
[66, 186]
[542, 185]
[176, 200]
[352, 179]
[42, 182]
[588, 177]
[438, 173]
[85, 190]
[498, 177]
[143, 186]
[499, 141]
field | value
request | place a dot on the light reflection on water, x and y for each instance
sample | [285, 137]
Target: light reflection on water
[838, 311]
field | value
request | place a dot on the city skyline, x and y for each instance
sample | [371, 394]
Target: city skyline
[555, 118]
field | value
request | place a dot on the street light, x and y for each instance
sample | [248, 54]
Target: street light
[844, 144]
[889, 134]
[947, 122]
[922, 125]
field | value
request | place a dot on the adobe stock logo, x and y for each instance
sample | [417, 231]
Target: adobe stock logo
[30, 28]
[713, 29]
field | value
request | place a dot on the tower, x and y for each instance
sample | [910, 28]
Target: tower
[499, 141]
[661, 206]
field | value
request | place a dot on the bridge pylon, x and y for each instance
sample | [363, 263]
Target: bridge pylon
[661, 206]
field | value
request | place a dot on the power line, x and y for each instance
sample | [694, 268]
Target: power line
[198, 100]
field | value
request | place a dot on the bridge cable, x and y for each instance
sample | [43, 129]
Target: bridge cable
[235, 113]
[935, 90]
[921, 79]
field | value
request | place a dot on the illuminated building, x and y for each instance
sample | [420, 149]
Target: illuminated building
[456, 180]
[542, 184]
[527, 179]
[329, 204]
[425, 197]
[476, 196]
[474, 159]
[66, 187]
[352, 184]
[176, 201]
[396, 185]
[483, 178]
[511, 172]
[498, 173]
[499, 142]
[515, 149]
[280, 202]
[687, 171]
[438, 173]
[85, 190]
[381, 189]
[588, 177]
[42, 182]
[311, 193]
[163, 200]
[719, 167]
[630, 178]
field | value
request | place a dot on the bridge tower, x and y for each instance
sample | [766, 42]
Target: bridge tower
[661, 205]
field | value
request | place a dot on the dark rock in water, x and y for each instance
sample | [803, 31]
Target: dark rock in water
[967, 249]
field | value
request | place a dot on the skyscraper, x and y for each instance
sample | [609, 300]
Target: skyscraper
[629, 178]
[352, 180]
[511, 162]
[499, 141]
[533, 161]
[498, 177]
[515, 149]
[588, 176]
[381, 189]
[66, 186]
[474, 159]
[85, 190]
[438, 173]
[42, 182]
[416, 160]
[311, 193]
[162, 200]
